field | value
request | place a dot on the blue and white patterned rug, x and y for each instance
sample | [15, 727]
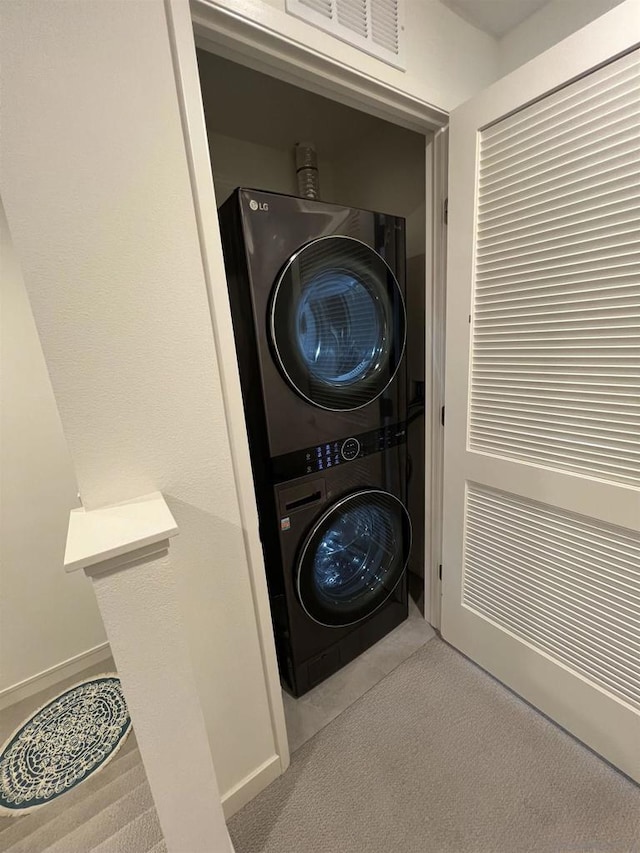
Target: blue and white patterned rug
[62, 744]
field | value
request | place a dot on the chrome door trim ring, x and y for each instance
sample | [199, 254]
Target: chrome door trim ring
[272, 330]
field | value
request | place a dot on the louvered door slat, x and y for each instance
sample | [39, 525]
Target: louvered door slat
[619, 218]
[567, 584]
[563, 406]
[549, 109]
[570, 187]
[616, 553]
[613, 107]
[589, 427]
[557, 280]
[614, 131]
[615, 254]
[548, 635]
[583, 243]
[621, 645]
[618, 197]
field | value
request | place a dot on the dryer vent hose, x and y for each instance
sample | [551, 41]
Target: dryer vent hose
[307, 170]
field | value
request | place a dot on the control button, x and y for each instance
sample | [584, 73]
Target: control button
[350, 449]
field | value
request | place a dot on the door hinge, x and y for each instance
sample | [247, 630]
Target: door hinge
[440, 571]
[445, 213]
[442, 416]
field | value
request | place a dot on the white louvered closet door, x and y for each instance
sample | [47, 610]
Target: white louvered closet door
[541, 553]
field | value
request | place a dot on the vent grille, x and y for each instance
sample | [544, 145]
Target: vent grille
[353, 15]
[322, 7]
[556, 333]
[565, 584]
[385, 29]
[373, 26]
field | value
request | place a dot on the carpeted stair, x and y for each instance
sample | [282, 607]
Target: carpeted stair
[112, 812]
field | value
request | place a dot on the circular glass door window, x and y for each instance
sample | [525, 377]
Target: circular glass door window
[353, 558]
[338, 323]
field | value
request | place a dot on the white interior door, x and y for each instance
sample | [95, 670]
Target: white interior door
[541, 549]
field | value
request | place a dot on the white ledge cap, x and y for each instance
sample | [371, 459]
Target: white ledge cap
[116, 530]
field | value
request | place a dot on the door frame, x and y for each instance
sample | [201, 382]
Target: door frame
[241, 39]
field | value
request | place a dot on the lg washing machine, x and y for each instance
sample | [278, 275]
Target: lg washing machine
[317, 299]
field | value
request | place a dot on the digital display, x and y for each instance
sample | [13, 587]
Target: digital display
[322, 457]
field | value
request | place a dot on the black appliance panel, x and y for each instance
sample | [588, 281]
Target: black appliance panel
[331, 454]
[283, 425]
[261, 233]
[301, 640]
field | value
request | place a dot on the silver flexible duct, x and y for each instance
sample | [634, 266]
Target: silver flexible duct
[307, 170]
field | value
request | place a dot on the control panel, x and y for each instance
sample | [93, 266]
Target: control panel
[350, 449]
[322, 457]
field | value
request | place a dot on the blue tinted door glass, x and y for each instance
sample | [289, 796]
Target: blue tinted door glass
[339, 328]
[354, 558]
[337, 323]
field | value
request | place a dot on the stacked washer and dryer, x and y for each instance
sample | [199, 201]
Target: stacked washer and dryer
[317, 298]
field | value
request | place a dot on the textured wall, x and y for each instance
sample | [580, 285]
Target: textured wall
[46, 616]
[97, 194]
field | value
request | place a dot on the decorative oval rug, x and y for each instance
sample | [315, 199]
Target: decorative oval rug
[63, 743]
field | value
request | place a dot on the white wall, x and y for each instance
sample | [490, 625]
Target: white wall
[46, 616]
[98, 197]
[447, 59]
[554, 22]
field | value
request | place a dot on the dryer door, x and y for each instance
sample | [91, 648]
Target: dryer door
[338, 323]
[353, 558]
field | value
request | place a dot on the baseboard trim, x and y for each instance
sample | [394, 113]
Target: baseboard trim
[251, 785]
[49, 677]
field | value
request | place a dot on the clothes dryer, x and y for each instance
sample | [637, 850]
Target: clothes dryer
[317, 299]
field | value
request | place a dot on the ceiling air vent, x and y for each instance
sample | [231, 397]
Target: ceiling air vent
[374, 26]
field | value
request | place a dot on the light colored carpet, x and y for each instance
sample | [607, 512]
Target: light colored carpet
[436, 758]
[440, 758]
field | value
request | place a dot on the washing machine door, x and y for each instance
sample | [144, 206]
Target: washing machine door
[338, 323]
[353, 558]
